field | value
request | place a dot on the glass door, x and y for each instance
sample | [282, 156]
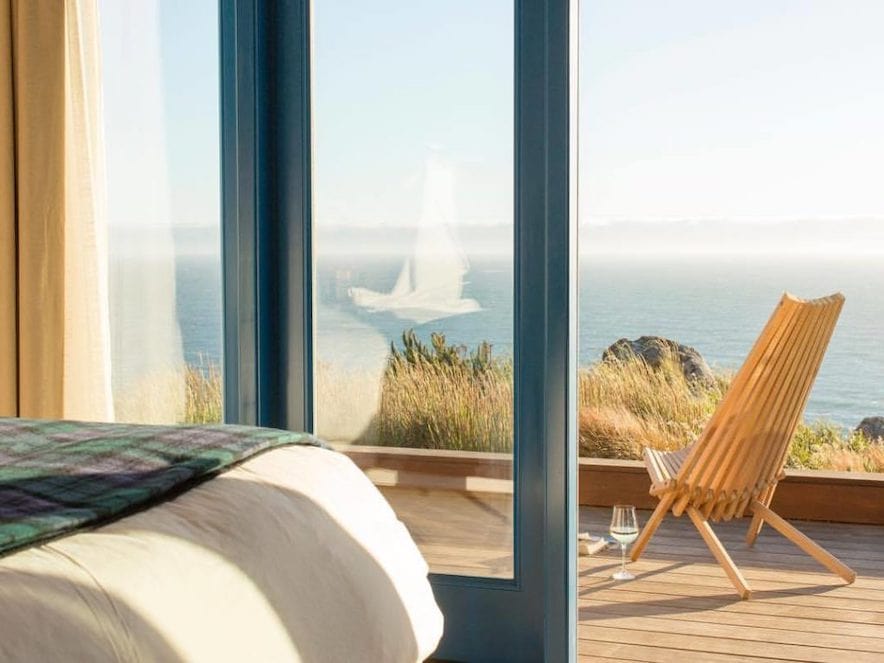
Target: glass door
[399, 250]
[413, 258]
[159, 125]
[731, 152]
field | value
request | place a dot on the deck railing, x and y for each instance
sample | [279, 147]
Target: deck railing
[852, 497]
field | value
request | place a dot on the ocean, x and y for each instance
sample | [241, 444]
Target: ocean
[716, 305]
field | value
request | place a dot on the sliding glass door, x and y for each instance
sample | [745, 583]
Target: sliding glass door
[158, 138]
[413, 257]
[399, 220]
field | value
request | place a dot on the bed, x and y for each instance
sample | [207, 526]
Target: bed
[290, 554]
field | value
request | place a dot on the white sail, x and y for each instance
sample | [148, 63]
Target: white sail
[430, 284]
[403, 283]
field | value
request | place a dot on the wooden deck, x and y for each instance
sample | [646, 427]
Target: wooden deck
[681, 606]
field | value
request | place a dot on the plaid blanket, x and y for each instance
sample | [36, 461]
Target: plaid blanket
[60, 476]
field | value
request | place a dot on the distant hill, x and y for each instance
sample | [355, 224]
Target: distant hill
[796, 236]
[163, 240]
[623, 237]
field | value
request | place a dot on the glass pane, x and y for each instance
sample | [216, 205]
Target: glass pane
[729, 152]
[161, 127]
[699, 210]
[413, 209]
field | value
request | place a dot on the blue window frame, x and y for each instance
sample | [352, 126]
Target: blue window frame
[268, 290]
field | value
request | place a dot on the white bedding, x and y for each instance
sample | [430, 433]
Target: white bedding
[292, 556]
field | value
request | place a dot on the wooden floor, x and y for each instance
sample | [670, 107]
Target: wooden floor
[681, 606]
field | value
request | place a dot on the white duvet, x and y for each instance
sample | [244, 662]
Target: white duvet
[292, 556]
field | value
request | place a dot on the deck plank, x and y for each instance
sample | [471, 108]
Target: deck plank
[680, 607]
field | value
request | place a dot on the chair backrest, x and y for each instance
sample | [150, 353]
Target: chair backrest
[743, 448]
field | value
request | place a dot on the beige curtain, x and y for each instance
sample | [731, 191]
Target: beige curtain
[54, 331]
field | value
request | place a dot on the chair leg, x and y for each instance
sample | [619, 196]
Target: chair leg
[650, 527]
[806, 544]
[754, 529]
[757, 521]
[736, 578]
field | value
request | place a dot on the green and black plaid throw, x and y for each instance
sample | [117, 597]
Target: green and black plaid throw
[60, 476]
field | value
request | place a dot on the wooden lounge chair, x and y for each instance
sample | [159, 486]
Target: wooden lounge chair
[735, 464]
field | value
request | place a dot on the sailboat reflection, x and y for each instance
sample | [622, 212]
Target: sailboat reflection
[430, 284]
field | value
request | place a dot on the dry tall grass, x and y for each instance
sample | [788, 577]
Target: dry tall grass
[623, 407]
[446, 407]
[190, 395]
[452, 404]
[154, 398]
[347, 402]
[627, 405]
[825, 446]
[203, 394]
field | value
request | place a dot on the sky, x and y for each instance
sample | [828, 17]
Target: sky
[755, 110]
[161, 110]
[396, 81]
[750, 109]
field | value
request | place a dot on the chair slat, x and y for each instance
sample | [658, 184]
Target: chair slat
[698, 476]
[771, 369]
[831, 320]
[792, 405]
[739, 455]
[773, 401]
[772, 429]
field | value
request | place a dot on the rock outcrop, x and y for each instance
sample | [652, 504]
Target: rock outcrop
[653, 350]
[872, 428]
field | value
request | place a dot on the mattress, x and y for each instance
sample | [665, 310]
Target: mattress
[292, 555]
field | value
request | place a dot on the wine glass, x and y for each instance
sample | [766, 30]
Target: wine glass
[624, 529]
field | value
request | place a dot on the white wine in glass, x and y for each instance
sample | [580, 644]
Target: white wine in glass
[624, 529]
